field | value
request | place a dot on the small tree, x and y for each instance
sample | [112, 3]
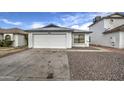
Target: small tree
[6, 42]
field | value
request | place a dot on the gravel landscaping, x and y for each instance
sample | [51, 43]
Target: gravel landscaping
[96, 65]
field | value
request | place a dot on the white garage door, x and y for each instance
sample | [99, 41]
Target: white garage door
[49, 41]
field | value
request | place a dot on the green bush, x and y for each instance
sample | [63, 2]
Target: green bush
[6, 43]
[26, 38]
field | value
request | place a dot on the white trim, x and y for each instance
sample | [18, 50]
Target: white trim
[69, 38]
[30, 40]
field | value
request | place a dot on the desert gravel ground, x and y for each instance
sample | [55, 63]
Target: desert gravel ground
[96, 65]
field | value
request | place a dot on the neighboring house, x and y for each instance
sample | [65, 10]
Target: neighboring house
[108, 31]
[52, 36]
[14, 34]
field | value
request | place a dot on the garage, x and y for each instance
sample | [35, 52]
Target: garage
[53, 36]
[49, 41]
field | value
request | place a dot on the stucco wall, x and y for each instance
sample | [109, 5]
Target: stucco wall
[1, 36]
[87, 40]
[121, 40]
[30, 40]
[112, 23]
[15, 43]
[19, 40]
[69, 39]
[112, 39]
[98, 38]
[118, 38]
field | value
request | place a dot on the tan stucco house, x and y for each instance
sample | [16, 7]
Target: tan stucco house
[14, 34]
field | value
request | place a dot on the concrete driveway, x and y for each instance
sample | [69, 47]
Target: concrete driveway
[35, 64]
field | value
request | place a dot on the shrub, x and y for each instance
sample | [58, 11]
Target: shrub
[1, 43]
[26, 38]
[6, 43]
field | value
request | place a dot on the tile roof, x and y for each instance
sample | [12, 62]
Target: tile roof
[52, 27]
[12, 30]
[117, 29]
[110, 16]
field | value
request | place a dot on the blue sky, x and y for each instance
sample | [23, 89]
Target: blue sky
[29, 20]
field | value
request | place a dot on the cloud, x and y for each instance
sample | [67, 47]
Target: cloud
[10, 22]
[75, 20]
[69, 20]
[82, 27]
[37, 25]
[102, 14]
[81, 20]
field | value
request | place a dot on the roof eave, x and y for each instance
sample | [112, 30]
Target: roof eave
[106, 18]
[83, 32]
[49, 30]
[108, 32]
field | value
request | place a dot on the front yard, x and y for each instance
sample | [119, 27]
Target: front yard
[4, 51]
[60, 64]
[96, 65]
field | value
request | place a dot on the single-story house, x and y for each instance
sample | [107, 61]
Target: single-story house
[16, 35]
[53, 36]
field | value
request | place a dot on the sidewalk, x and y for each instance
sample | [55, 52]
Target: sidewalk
[110, 49]
[88, 49]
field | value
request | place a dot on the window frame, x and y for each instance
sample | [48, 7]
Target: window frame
[79, 38]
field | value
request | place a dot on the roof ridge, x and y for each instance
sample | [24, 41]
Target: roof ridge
[51, 25]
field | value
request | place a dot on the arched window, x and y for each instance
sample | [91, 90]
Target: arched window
[7, 37]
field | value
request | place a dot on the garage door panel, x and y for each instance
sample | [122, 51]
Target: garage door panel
[49, 41]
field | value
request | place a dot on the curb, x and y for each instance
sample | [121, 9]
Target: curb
[13, 53]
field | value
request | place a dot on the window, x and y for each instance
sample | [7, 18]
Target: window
[7, 37]
[89, 39]
[112, 20]
[79, 38]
